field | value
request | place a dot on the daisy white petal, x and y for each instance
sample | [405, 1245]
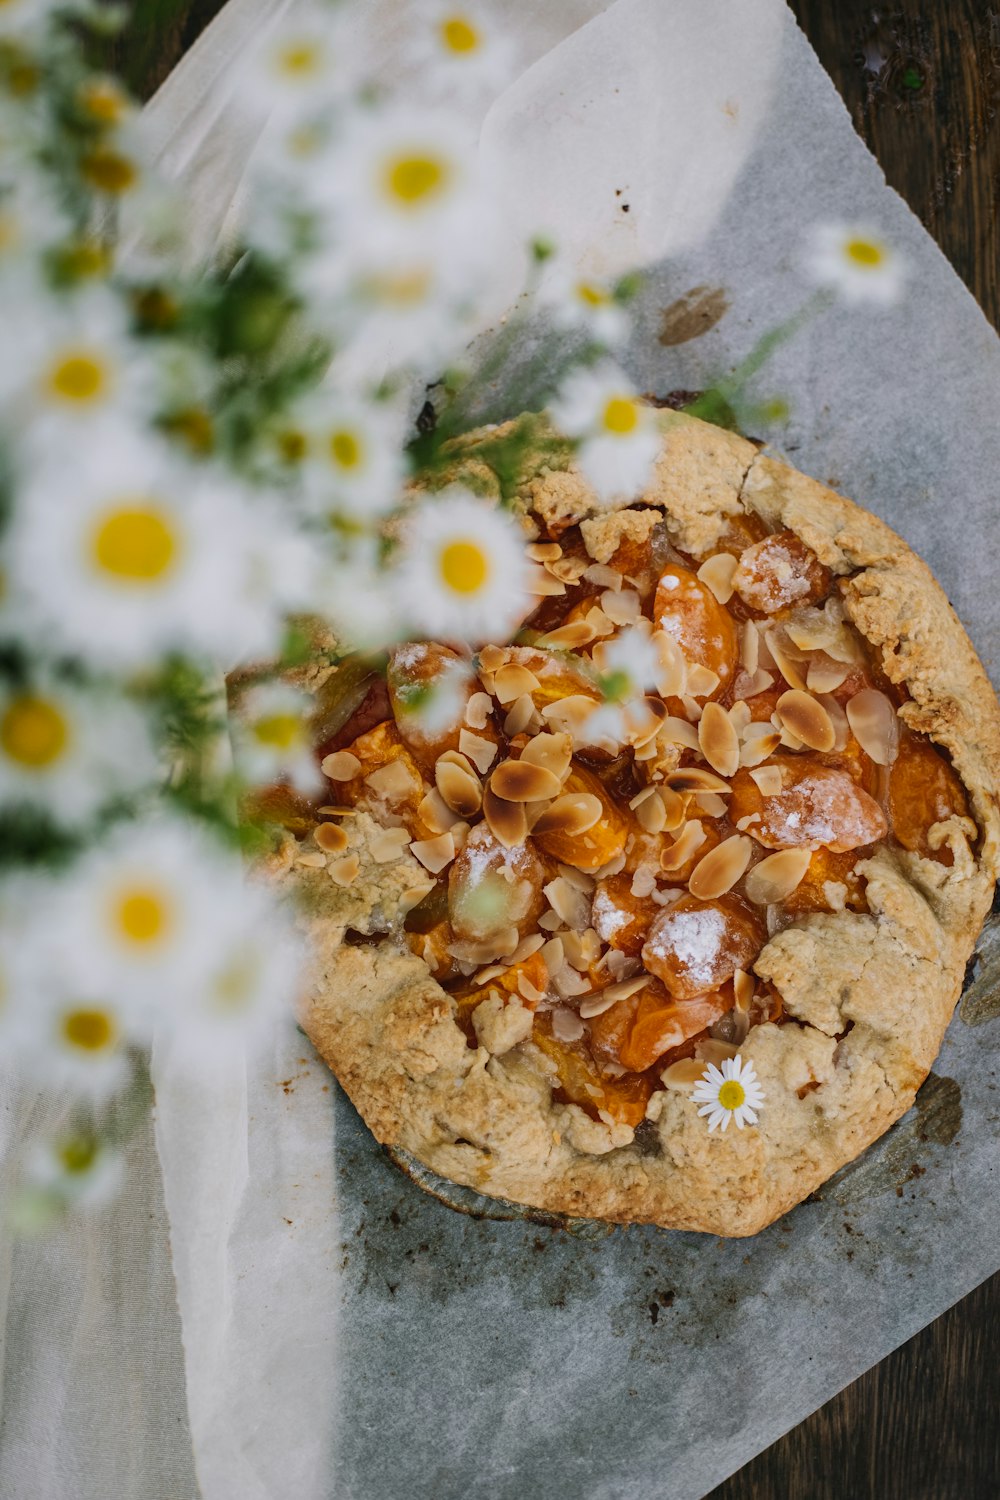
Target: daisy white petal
[619, 441]
[271, 736]
[353, 461]
[575, 300]
[734, 1093]
[83, 1171]
[303, 64]
[461, 51]
[856, 262]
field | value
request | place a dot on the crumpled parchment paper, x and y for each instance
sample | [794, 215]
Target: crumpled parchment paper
[341, 1333]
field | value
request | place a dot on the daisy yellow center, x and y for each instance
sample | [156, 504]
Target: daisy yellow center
[593, 296]
[464, 567]
[346, 450]
[459, 35]
[292, 446]
[865, 253]
[412, 180]
[620, 416]
[142, 917]
[135, 544]
[89, 1030]
[109, 171]
[278, 731]
[78, 377]
[77, 1153]
[404, 290]
[732, 1094]
[103, 101]
[299, 60]
[33, 732]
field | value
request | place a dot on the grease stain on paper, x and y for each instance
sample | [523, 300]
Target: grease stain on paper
[693, 314]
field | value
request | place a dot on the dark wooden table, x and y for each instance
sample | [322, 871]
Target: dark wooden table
[922, 81]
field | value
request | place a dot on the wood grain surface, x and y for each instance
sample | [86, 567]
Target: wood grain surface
[922, 82]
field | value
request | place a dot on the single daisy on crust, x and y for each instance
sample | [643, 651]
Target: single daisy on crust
[618, 437]
[463, 571]
[732, 1093]
[856, 262]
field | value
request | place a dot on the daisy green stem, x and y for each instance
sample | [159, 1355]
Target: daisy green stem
[720, 399]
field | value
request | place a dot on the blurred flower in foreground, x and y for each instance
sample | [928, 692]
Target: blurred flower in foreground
[76, 1168]
[579, 301]
[307, 62]
[461, 50]
[463, 571]
[352, 460]
[856, 262]
[619, 441]
[272, 737]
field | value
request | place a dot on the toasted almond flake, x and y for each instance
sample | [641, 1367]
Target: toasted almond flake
[492, 657]
[435, 813]
[739, 716]
[340, 766]
[787, 658]
[702, 681]
[572, 905]
[568, 569]
[824, 674]
[460, 833]
[568, 637]
[756, 750]
[344, 871]
[331, 838]
[671, 680]
[749, 647]
[542, 552]
[552, 751]
[743, 988]
[769, 780]
[485, 950]
[874, 725]
[717, 574]
[719, 743]
[481, 752]
[513, 680]
[526, 947]
[519, 718]
[506, 820]
[596, 1005]
[434, 854]
[709, 1050]
[338, 812]
[687, 844]
[613, 867]
[387, 844]
[573, 710]
[643, 882]
[414, 895]
[599, 622]
[478, 710]
[651, 814]
[524, 781]
[744, 823]
[777, 876]
[721, 868]
[550, 921]
[553, 954]
[459, 786]
[711, 804]
[839, 720]
[807, 719]
[749, 684]
[676, 731]
[675, 807]
[572, 813]
[492, 971]
[313, 859]
[603, 577]
[582, 948]
[541, 584]
[696, 779]
[683, 1075]
[578, 879]
[623, 606]
[566, 1024]
[394, 780]
[528, 990]
[568, 983]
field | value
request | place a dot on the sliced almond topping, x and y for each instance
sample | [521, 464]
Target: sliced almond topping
[709, 1050]
[551, 921]
[597, 1005]
[569, 903]
[573, 813]
[520, 717]
[807, 719]
[721, 867]
[388, 844]
[696, 779]
[459, 786]
[623, 606]
[739, 716]
[839, 720]
[676, 731]
[603, 577]
[312, 859]
[486, 950]
[599, 621]
[824, 674]
[434, 811]
[526, 947]
[582, 948]
[553, 954]
[331, 838]
[768, 779]
[553, 751]
[414, 895]
[344, 871]
[671, 681]
[568, 569]
[675, 807]
[542, 552]
[683, 1075]
[702, 681]
[758, 747]
[569, 637]
[492, 657]
[478, 710]
[749, 647]
[874, 724]
[340, 766]
[529, 991]
[338, 812]
[711, 804]
[717, 574]
[743, 988]
[777, 876]
[573, 711]
[651, 812]
[512, 680]
[747, 822]
[566, 1024]
[434, 854]
[481, 752]
[749, 684]
[789, 660]
[687, 843]
[393, 780]
[569, 983]
[541, 584]
[506, 820]
[523, 781]
[718, 740]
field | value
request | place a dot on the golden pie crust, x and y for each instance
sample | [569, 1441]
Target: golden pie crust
[485, 1117]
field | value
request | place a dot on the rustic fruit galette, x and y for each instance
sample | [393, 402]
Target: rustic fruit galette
[564, 939]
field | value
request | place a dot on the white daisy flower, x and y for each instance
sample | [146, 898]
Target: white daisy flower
[30, 220]
[619, 438]
[360, 598]
[730, 1094]
[121, 552]
[856, 262]
[21, 18]
[353, 462]
[629, 664]
[461, 51]
[271, 737]
[77, 1168]
[69, 751]
[463, 572]
[434, 705]
[248, 989]
[79, 1037]
[579, 301]
[302, 65]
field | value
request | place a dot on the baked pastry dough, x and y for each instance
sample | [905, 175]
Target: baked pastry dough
[853, 989]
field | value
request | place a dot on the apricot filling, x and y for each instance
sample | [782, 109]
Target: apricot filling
[676, 758]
